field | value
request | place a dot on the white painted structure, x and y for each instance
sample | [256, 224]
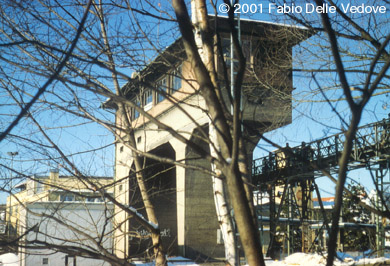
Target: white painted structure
[77, 224]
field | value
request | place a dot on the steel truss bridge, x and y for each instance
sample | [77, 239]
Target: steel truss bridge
[287, 178]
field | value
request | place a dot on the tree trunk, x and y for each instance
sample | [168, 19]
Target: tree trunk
[222, 207]
[204, 43]
[246, 227]
[225, 161]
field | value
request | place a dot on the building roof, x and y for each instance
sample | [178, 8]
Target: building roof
[22, 185]
[272, 33]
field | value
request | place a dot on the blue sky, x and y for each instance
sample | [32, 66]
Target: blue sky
[311, 119]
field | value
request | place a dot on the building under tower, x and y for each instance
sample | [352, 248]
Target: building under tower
[167, 90]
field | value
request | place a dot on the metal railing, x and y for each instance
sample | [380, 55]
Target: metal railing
[371, 145]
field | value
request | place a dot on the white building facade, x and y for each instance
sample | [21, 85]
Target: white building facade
[70, 226]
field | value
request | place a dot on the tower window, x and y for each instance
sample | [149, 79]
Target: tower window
[148, 100]
[176, 79]
[161, 87]
[135, 111]
[67, 197]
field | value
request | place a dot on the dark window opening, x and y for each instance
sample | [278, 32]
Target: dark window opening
[161, 89]
[176, 79]
[135, 111]
[67, 197]
[148, 100]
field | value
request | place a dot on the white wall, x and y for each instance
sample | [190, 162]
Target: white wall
[83, 224]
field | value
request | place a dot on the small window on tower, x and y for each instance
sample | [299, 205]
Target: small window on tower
[161, 89]
[67, 197]
[177, 79]
[135, 111]
[148, 100]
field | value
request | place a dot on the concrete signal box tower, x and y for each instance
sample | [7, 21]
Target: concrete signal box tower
[167, 91]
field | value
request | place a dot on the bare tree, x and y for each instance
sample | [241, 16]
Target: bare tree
[37, 53]
[370, 85]
[229, 137]
[121, 36]
[357, 45]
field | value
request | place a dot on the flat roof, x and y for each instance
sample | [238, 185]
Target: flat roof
[270, 32]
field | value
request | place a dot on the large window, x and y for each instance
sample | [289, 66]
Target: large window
[166, 85]
[147, 98]
[176, 79]
[67, 197]
[161, 89]
[94, 199]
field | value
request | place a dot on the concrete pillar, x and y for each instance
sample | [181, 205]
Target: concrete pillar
[121, 192]
[180, 150]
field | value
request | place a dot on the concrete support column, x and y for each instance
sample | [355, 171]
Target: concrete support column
[121, 193]
[180, 150]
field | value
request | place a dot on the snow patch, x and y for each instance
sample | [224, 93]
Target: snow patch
[309, 259]
[174, 261]
[9, 259]
[302, 259]
[369, 261]
[155, 226]
[296, 259]
[132, 209]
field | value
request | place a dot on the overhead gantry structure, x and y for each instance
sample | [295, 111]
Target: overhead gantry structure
[288, 175]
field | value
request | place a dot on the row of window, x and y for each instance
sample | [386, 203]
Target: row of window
[69, 260]
[172, 82]
[166, 85]
[71, 197]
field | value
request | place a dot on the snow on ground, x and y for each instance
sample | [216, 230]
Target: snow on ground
[302, 259]
[367, 261]
[296, 259]
[176, 261]
[9, 259]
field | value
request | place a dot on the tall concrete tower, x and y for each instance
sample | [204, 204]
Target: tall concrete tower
[167, 90]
